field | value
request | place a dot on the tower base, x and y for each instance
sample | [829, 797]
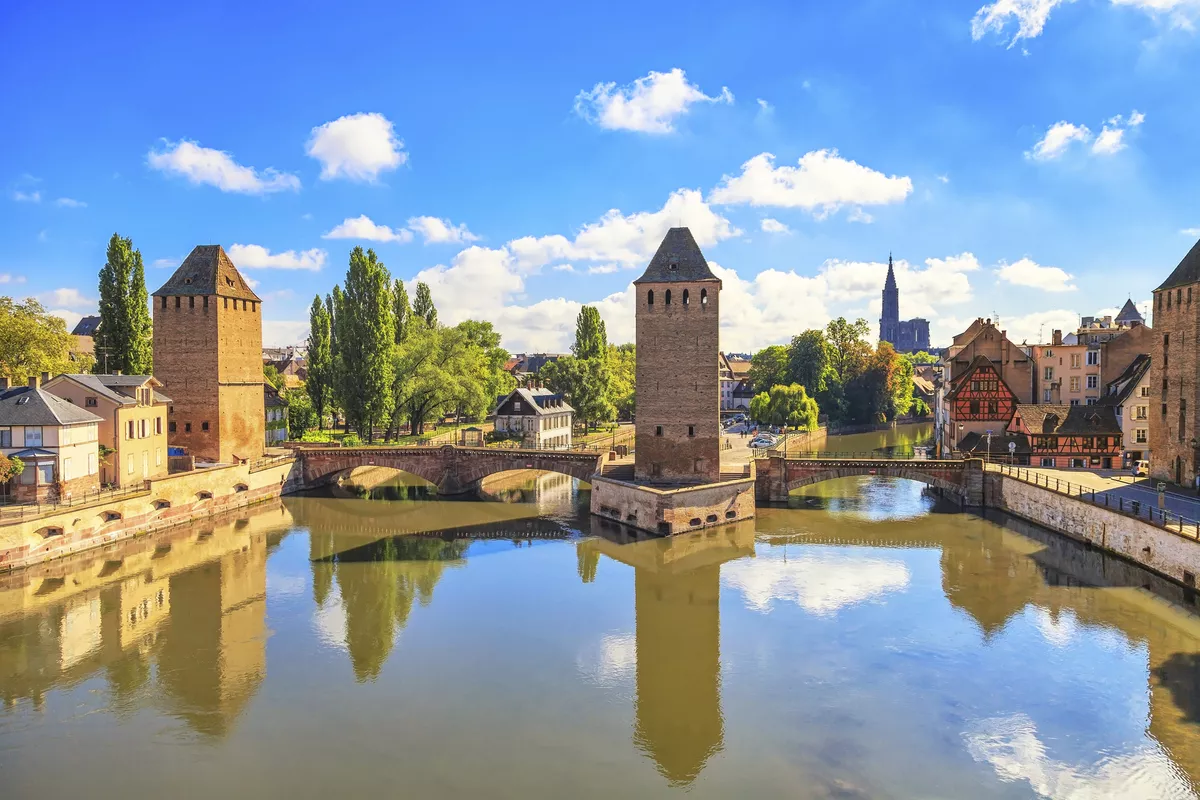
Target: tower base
[670, 510]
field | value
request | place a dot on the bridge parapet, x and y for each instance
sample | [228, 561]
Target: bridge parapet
[778, 476]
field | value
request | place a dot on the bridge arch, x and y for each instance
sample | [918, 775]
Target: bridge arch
[953, 487]
[777, 476]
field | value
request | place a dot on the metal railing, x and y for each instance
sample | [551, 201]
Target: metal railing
[266, 462]
[1149, 512]
[836, 455]
[19, 511]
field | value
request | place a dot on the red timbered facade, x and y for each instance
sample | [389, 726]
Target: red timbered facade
[978, 401]
[1070, 437]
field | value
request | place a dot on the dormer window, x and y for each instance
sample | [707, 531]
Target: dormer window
[228, 281]
[674, 265]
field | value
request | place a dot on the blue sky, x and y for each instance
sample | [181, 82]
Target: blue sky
[1031, 159]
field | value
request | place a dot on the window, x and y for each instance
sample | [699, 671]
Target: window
[650, 297]
[1047, 462]
[1164, 391]
[66, 469]
[517, 405]
[1144, 391]
[1091, 401]
[158, 426]
[1046, 396]
[1189, 295]
[667, 299]
[91, 463]
[171, 426]
[27, 475]
[33, 436]
[1074, 401]
[192, 301]
[1074, 360]
[129, 465]
[89, 402]
[1140, 412]
[1139, 436]
[1093, 358]
[1075, 383]
[164, 302]
[129, 429]
[143, 429]
[1182, 417]
[226, 299]
[45, 473]
[1120, 410]
[1048, 354]
[691, 430]
[187, 427]
[206, 302]
[6, 437]
[177, 302]
[1093, 381]
[993, 408]
[658, 430]
[1049, 374]
[704, 298]
[974, 407]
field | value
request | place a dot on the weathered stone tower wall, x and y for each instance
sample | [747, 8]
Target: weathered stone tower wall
[678, 385]
[208, 354]
[1175, 374]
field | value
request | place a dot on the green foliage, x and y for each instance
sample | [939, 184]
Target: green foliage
[786, 406]
[585, 382]
[271, 375]
[622, 379]
[351, 440]
[809, 362]
[301, 416]
[366, 337]
[124, 340]
[920, 409]
[769, 367]
[401, 312]
[922, 357]
[10, 467]
[591, 339]
[319, 383]
[32, 341]
[423, 307]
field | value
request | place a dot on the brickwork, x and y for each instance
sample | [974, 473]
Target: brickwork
[1174, 384]
[777, 476]
[677, 376]
[1118, 353]
[208, 354]
[673, 511]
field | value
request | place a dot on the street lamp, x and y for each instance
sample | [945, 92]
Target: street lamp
[989, 446]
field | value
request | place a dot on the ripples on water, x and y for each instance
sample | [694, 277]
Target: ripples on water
[867, 642]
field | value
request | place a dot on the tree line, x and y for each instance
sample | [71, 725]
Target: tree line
[852, 381]
[386, 365]
[597, 379]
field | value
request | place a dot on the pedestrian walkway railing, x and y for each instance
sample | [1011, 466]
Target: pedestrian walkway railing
[874, 455]
[1150, 512]
[19, 511]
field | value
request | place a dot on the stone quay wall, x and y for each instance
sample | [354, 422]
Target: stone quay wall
[673, 510]
[167, 501]
[1163, 551]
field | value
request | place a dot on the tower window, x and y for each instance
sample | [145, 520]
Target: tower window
[187, 427]
[226, 299]
[164, 301]
[177, 303]
[691, 430]
[171, 427]
[704, 298]
[685, 297]
[650, 297]
[205, 302]
[668, 298]
[192, 301]
[203, 426]
[658, 430]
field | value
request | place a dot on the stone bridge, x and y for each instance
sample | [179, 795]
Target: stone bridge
[777, 475]
[452, 469]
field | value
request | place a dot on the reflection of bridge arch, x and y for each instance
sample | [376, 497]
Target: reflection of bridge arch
[452, 469]
[852, 472]
[777, 476]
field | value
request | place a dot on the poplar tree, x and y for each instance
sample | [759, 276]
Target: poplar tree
[400, 310]
[123, 341]
[320, 359]
[423, 305]
[366, 341]
[591, 340]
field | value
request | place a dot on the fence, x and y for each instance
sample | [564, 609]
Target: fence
[259, 464]
[20, 511]
[1167, 520]
[835, 455]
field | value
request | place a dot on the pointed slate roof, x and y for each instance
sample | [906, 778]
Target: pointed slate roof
[890, 282]
[1187, 272]
[1129, 313]
[677, 260]
[208, 271]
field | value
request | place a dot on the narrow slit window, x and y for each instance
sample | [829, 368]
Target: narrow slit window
[667, 301]
[685, 297]
[704, 298]
[650, 298]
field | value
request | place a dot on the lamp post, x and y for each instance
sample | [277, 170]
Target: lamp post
[1195, 460]
[989, 446]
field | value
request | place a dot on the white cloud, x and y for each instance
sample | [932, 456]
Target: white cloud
[67, 315]
[764, 107]
[822, 183]
[820, 583]
[67, 202]
[1057, 139]
[8, 278]
[27, 197]
[1027, 272]
[564, 268]
[1112, 137]
[254, 256]
[1029, 15]
[204, 165]
[648, 105]
[1190, 231]
[437, 231]
[1035, 326]
[603, 269]
[858, 215]
[1012, 748]
[629, 240]
[357, 147]
[67, 298]
[611, 662]
[362, 227]
[770, 225]
[162, 263]
[282, 333]
[944, 178]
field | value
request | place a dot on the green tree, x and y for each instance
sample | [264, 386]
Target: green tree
[808, 362]
[124, 339]
[319, 384]
[769, 367]
[591, 339]
[32, 341]
[920, 409]
[271, 375]
[445, 370]
[423, 305]
[366, 342]
[301, 416]
[900, 383]
[10, 467]
[786, 406]
[622, 364]
[922, 357]
[400, 310]
[585, 384]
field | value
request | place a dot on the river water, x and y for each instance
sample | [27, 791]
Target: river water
[868, 642]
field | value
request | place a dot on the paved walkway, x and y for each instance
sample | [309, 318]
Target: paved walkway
[1123, 485]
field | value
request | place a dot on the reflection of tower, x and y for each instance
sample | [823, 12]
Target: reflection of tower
[678, 720]
[214, 654]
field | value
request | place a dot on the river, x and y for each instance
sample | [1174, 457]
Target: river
[869, 642]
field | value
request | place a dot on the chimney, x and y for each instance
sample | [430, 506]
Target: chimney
[1056, 337]
[117, 372]
[34, 381]
[4, 384]
[45, 377]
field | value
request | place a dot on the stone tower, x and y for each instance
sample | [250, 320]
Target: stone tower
[678, 387]
[1175, 374]
[889, 318]
[208, 354]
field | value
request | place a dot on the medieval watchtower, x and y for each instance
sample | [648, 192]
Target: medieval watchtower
[208, 354]
[678, 387]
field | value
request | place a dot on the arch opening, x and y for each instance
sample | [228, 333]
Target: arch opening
[650, 297]
[685, 297]
[667, 298]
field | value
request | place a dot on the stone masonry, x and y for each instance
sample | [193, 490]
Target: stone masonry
[208, 354]
[1175, 374]
[678, 384]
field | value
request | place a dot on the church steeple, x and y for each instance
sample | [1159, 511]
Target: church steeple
[889, 318]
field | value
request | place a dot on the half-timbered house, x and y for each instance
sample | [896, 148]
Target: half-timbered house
[979, 401]
[1070, 437]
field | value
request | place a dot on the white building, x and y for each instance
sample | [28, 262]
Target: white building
[58, 443]
[539, 417]
[1130, 393]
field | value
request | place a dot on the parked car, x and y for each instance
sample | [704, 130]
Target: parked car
[1140, 469]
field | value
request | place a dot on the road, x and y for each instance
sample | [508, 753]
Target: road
[1122, 485]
